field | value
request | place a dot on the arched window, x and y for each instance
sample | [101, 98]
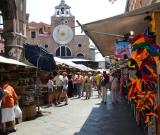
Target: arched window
[1, 21]
[63, 52]
[57, 12]
[62, 10]
[41, 31]
[79, 45]
[80, 55]
[1, 32]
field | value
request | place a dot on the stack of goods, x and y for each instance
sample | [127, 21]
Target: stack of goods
[143, 91]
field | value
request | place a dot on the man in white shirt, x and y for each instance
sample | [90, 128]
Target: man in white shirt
[58, 84]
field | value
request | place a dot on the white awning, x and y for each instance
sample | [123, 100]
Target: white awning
[78, 59]
[72, 64]
[64, 61]
[11, 61]
[84, 68]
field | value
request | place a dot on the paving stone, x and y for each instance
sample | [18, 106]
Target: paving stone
[83, 117]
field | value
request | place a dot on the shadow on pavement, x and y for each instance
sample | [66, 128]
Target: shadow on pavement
[74, 98]
[110, 119]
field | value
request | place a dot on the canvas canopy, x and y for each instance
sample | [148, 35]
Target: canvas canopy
[11, 61]
[72, 64]
[105, 32]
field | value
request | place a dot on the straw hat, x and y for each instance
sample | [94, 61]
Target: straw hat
[89, 73]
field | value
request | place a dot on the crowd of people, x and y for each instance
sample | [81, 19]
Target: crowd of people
[62, 85]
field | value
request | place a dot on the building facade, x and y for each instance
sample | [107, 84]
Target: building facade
[136, 4]
[12, 27]
[59, 37]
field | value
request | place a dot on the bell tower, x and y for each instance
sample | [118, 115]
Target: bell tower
[63, 16]
[62, 10]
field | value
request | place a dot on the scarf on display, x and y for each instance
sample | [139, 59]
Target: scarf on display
[144, 59]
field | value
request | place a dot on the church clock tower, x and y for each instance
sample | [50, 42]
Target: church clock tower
[63, 24]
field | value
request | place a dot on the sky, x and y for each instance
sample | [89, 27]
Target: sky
[85, 11]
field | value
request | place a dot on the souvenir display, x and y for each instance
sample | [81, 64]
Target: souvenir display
[144, 58]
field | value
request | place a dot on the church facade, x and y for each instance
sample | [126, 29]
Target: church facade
[59, 37]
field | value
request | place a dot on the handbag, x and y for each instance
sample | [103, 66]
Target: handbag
[17, 111]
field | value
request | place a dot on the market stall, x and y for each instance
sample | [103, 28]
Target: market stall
[143, 86]
[143, 91]
[21, 77]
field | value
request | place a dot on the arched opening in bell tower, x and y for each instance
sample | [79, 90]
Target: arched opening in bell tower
[1, 32]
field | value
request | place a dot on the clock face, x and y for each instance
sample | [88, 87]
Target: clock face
[62, 34]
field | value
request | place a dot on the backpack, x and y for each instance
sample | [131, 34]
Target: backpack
[103, 82]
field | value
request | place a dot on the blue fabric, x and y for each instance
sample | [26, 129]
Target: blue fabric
[122, 49]
[121, 44]
[39, 57]
[79, 89]
[1, 93]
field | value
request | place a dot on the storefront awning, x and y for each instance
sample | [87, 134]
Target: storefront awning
[71, 64]
[105, 32]
[12, 62]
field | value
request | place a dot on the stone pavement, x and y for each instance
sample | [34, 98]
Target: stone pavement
[83, 117]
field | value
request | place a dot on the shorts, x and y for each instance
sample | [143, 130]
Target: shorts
[50, 90]
[59, 89]
[99, 87]
[65, 87]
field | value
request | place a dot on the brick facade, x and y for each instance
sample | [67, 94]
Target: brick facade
[44, 36]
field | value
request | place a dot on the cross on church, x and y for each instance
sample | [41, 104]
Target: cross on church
[62, 2]
[112, 1]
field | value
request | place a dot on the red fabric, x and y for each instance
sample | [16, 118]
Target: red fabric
[141, 36]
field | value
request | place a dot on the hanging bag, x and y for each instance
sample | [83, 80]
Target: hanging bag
[17, 111]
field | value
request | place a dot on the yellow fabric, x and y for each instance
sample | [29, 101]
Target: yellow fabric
[153, 22]
[140, 40]
[98, 78]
